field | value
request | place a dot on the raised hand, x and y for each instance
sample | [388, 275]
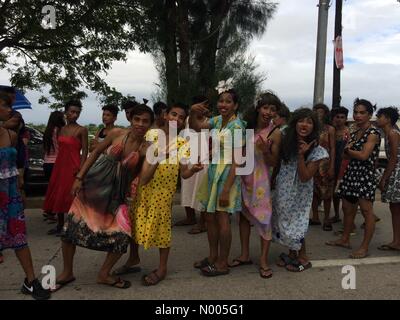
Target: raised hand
[200, 108]
[304, 146]
[264, 144]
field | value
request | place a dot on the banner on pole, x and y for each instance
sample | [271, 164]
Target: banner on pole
[339, 52]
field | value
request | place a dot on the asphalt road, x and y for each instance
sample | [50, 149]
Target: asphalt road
[377, 277]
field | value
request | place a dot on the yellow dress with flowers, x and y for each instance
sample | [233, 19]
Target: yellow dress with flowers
[151, 209]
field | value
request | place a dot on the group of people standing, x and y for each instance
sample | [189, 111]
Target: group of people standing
[121, 196]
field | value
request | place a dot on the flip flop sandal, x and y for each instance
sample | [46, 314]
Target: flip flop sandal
[202, 264]
[358, 256]
[314, 223]
[155, 279]
[126, 270]
[386, 247]
[263, 271]
[184, 223]
[197, 230]
[334, 244]
[124, 284]
[62, 284]
[240, 263]
[336, 220]
[285, 259]
[298, 266]
[212, 271]
[327, 227]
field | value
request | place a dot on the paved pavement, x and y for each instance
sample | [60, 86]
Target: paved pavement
[377, 277]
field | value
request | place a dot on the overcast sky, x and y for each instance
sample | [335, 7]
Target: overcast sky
[286, 53]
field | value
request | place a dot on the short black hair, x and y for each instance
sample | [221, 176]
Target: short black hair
[140, 109]
[199, 99]
[179, 105]
[129, 104]
[6, 98]
[283, 111]
[339, 110]
[367, 104]
[8, 90]
[391, 112]
[112, 108]
[159, 107]
[73, 103]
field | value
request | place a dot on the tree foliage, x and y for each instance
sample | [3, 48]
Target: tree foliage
[76, 55]
[206, 41]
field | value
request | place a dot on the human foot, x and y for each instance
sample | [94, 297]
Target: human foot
[153, 278]
[114, 282]
[339, 243]
[185, 222]
[359, 254]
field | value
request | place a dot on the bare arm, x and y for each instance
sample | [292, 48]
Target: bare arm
[306, 171]
[332, 151]
[197, 117]
[84, 141]
[394, 140]
[366, 150]
[94, 142]
[272, 156]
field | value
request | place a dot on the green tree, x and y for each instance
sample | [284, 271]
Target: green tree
[203, 38]
[89, 36]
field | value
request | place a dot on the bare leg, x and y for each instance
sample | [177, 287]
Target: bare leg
[68, 250]
[303, 259]
[327, 209]
[161, 272]
[213, 236]
[25, 259]
[190, 218]
[200, 227]
[336, 206]
[225, 240]
[265, 245]
[315, 203]
[368, 213]
[104, 276]
[244, 227]
[349, 213]
[395, 210]
[133, 258]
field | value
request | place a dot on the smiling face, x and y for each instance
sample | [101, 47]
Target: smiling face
[176, 117]
[361, 115]
[140, 123]
[304, 128]
[226, 105]
[266, 113]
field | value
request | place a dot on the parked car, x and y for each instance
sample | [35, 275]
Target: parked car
[35, 181]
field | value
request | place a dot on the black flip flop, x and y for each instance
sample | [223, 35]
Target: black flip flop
[62, 284]
[240, 263]
[299, 266]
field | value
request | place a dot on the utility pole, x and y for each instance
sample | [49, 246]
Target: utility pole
[336, 97]
[319, 82]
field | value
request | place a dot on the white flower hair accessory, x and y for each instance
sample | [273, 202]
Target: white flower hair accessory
[224, 86]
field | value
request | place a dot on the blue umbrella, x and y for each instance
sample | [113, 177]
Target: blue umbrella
[21, 102]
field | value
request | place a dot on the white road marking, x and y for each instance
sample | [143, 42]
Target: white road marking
[355, 262]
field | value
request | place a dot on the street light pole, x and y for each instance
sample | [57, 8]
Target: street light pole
[336, 97]
[319, 82]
